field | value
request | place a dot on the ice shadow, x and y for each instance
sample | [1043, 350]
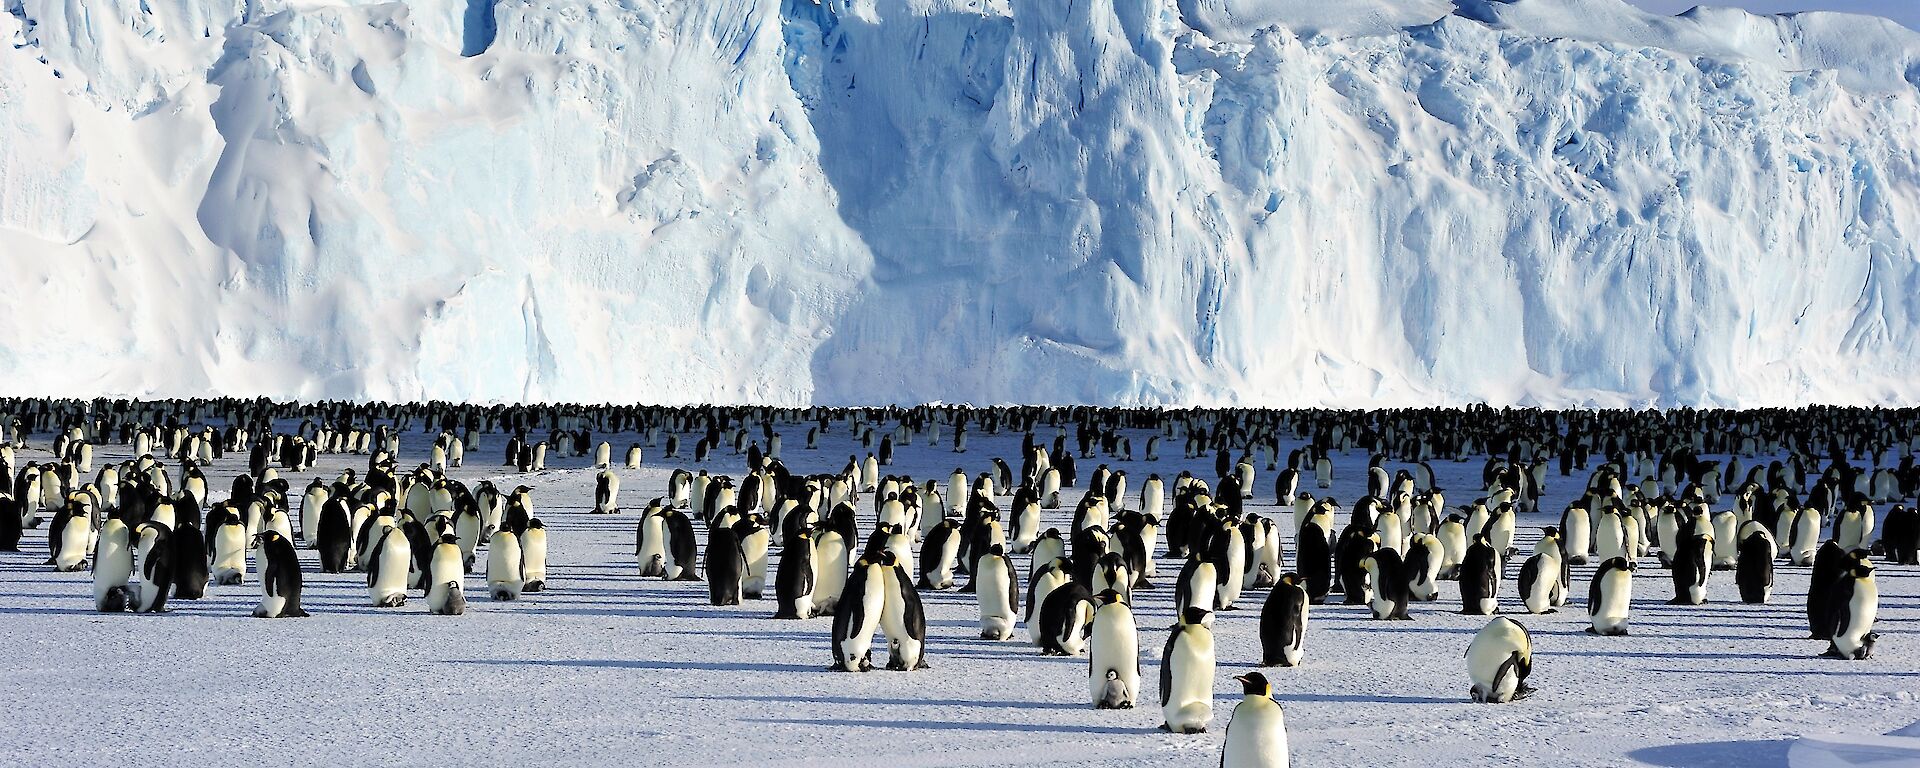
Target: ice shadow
[1717, 754]
[1361, 699]
[887, 702]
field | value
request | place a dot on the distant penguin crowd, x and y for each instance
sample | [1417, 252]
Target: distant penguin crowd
[857, 547]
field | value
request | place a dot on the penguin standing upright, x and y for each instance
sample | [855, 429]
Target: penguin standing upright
[1257, 732]
[857, 616]
[1499, 660]
[1186, 674]
[533, 556]
[1315, 562]
[335, 537]
[504, 579]
[997, 588]
[726, 566]
[280, 578]
[446, 568]
[1610, 597]
[682, 548]
[1692, 562]
[755, 537]
[1753, 572]
[1856, 601]
[1540, 580]
[190, 572]
[1829, 565]
[388, 566]
[112, 566]
[155, 554]
[1283, 623]
[1480, 578]
[939, 552]
[793, 580]
[1113, 658]
[1385, 570]
[229, 550]
[1423, 563]
[902, 619]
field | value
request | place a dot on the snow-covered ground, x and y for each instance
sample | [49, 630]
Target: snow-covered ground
[610, 669]
[1276, 202]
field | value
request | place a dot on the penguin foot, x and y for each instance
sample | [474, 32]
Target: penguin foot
[534, 586]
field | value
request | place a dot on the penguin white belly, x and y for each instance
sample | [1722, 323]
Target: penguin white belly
[1189, 707]
[112, 567]
[504, 580]
[388, 585]
[1856, 641]
[1616, 595]
[230, 555]
[1256, 736]
[72, 555]
[1043, 585]
[653, 546]
[1228, 590]
[755, 548]
[445, 595]
[830, 565]
[1114, 680]
[991, 588]
[533, 560]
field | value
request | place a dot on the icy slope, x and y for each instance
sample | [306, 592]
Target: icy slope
[1259, 201]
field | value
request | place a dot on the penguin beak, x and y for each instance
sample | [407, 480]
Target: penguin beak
[1240, 678]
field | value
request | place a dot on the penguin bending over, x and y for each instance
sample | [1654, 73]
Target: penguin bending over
[1283, 623]
[1499, 660]
[504, 579]
[155, 554]
[997, 587]
[446, 596]
[112, 566]
[1610, 597]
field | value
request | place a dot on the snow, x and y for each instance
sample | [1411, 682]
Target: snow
[1283, 202]
[608, 668]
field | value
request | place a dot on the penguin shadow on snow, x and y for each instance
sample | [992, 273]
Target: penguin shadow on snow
[1348, 698]
[1811, 656]
[947, 725]
[655, 664]
[1718, 754]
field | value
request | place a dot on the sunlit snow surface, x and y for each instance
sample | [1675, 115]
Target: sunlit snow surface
[611, 669]
[1256, 201]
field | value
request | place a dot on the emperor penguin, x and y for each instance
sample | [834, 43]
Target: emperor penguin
[1314, 561]
[190, 571]
[1388, 575]
[857, 616]
[335, 538]
[1830, 565]
[831, 560]
[726, 566]
[533, 556]
[1186, 674]
[939, 552]
[1753, 572]
[650, 541]
[1691, 565]
[1257, 732]
[793, 580]
[446, 595]
[1540, 581]
[1283, 623]
[154, 553]
[997, 587]
[682, 548]
[388, 564]
[1049, 546]
[1499, 660]
[606, 492]
[281, 581]
[1113, 658]
[1576, 525]
[1046, 578]
[1726, 540]
[1856, 601]
[1610, 597]
[1065, 616]
[70, 536]
[1197, 584]
[1480, 578]
[1423, 562]
[902, 619]
[755, 537]
[1453, 546]
[112, 566]
[229, 551]
[504, 579]
[1803, 539]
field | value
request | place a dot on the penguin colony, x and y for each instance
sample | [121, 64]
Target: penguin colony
[139, 524]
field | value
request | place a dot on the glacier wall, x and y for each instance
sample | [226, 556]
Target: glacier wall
[1556, 202]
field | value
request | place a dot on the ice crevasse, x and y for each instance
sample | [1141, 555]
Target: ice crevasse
[1261, 202]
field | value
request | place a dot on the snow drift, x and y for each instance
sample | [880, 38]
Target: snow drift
[1279, 202]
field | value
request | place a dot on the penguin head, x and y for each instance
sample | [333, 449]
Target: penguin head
[1107, 597]
[1254, 684]
[1194, 615]
[534, 523]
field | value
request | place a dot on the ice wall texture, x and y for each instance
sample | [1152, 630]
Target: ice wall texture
[1558, 202]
